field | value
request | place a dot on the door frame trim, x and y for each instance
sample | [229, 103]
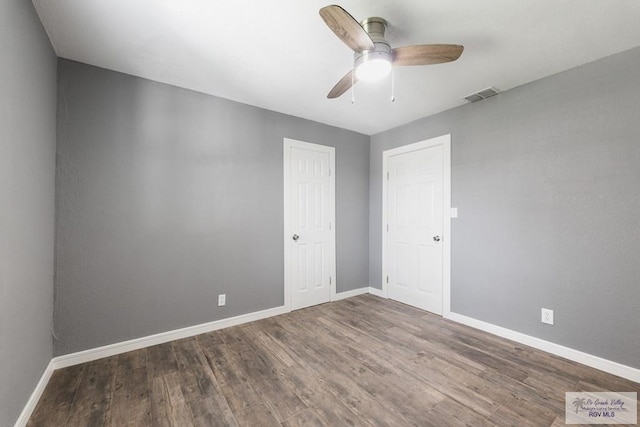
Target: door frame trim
[445, 142]
[288, 144]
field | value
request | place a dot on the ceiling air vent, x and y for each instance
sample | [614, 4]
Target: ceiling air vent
[482, 94]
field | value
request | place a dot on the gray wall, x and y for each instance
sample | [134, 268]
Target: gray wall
[167, 198]
[27, 163]
[546, 179]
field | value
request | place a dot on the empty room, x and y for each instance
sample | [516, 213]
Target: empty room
[284, 213]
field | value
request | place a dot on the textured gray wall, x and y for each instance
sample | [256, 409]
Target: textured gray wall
[27, 163]
[546, 179]
[167, 198]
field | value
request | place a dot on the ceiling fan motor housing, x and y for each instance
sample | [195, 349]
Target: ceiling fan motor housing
[375, 27]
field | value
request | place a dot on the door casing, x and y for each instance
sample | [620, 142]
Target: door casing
[445, 142]
[288, 231]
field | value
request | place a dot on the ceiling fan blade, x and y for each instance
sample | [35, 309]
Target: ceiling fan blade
[343, 85]
[426, 54]
[346, 28]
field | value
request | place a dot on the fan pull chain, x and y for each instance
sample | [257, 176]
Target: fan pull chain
[393, 86]
[353, 84]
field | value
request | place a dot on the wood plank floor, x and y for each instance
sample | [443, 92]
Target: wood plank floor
[363, 361]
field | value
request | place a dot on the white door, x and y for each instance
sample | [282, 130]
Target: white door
[415, 225]
[309, 223]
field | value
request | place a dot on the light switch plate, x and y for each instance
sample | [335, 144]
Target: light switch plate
[454, 212]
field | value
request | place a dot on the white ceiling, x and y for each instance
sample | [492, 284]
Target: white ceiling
[279, 54]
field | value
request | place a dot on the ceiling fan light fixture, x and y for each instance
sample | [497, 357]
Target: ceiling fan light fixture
[373, 56]
[373, 66]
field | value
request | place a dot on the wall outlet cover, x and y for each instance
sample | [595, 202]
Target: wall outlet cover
[547, 316]
[222, 300]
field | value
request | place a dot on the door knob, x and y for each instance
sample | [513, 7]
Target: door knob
[436, 238]
[295, 237]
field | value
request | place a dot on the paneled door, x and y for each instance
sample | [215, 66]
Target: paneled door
[309, 223]
[414, 226]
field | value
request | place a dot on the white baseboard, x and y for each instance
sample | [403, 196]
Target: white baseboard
[377, 292]
[596, 362]
[23, 419]
[135, 344]
[615, 368]
[64, 361]
[138, 343]
[351, 293]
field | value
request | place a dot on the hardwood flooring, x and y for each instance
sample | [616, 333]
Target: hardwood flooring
[363, 361]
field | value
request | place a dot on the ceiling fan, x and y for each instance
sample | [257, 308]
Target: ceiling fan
[374, 57]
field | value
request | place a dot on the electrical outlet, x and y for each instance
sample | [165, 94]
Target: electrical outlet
[547, 316]
[222, 300]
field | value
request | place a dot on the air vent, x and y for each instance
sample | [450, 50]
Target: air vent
[482, 94]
